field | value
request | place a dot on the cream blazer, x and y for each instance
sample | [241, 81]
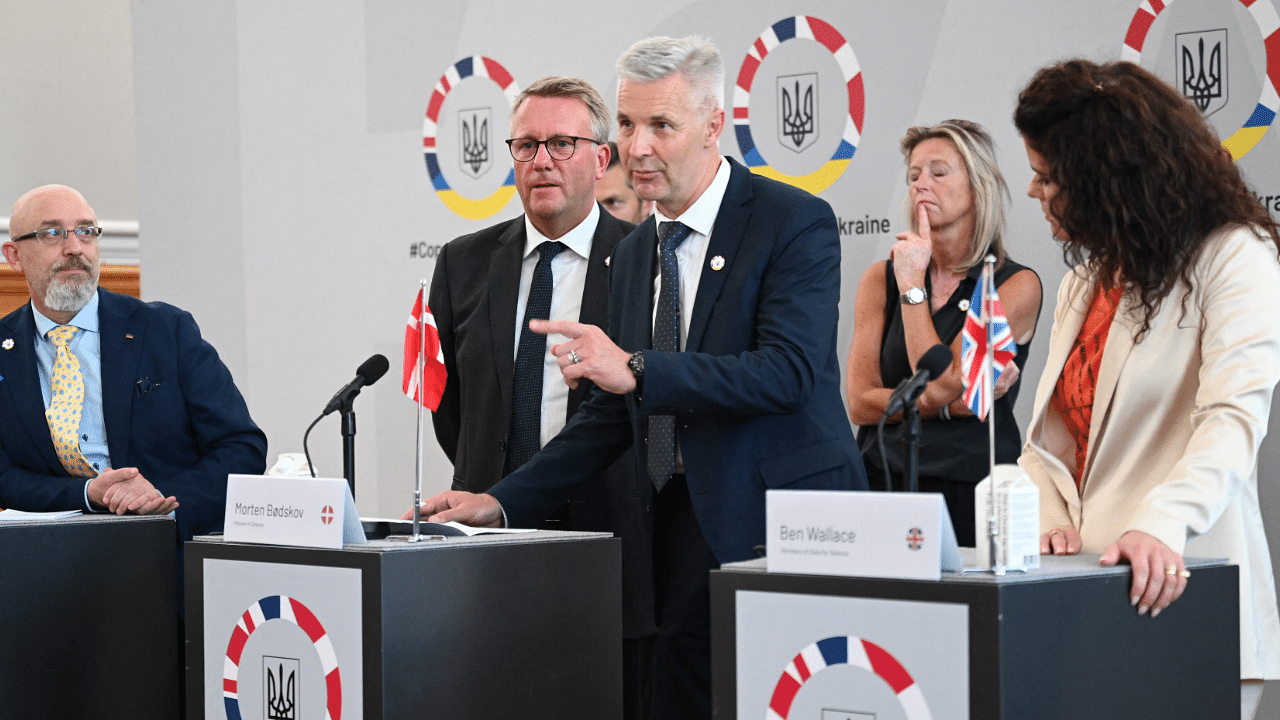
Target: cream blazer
[1177, 422]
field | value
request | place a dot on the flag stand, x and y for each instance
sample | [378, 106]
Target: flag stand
[988, 388]
[419, 372]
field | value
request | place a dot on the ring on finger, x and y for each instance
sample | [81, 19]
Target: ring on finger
[1185, 573]
[1171, 569]
[573, 357]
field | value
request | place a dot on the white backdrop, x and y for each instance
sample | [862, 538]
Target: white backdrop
[284, 197]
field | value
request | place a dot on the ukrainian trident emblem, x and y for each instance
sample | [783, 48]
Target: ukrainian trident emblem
[798, 111]
[1202, 69]
[473, 141]
[280, 691]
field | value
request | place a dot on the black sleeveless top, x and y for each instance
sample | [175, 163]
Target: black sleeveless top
[955, 449]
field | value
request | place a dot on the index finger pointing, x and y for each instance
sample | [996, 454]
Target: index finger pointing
[567, 328]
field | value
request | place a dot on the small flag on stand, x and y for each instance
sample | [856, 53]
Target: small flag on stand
[423, 349]
[973, 353]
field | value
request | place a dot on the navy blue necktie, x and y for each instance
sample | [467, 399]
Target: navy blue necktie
[666, 338]
[526, 390]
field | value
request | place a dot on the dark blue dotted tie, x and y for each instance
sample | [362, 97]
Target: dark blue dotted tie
[526, 389]
[666, 338]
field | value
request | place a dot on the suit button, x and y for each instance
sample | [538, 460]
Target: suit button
[502, 445]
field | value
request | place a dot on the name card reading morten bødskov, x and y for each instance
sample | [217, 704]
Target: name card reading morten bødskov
[307, 512]
[860, 534]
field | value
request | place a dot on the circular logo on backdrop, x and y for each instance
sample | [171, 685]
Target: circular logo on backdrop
[279, 607]
[809, 105]
[846, 650]
[1202, 61]
[467, 139]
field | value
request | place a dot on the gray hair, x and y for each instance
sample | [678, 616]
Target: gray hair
[555, 86]
[978, 151]
[658, 58]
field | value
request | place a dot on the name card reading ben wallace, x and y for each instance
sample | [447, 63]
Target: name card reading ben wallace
[860, 534]
[307, 512]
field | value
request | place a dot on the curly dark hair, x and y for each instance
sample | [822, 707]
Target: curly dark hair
[1142, 180]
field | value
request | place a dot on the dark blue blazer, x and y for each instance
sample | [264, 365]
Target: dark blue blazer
[756, 393]
[169, 403]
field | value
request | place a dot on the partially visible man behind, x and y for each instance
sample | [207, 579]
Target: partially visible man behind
[615, 193]
[108, 403]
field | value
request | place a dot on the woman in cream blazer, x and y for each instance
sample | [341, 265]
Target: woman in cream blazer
[1136, 186]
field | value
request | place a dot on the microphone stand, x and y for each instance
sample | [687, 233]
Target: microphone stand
[349, 444]
[911, 448]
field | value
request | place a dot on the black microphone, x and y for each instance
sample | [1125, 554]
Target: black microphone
[369, 372]
[932, 365]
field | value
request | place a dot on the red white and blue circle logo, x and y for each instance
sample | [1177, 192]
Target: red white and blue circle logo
[476, 66]
[846, 650]
[280, 607]
[1259, 121]
[801, 27]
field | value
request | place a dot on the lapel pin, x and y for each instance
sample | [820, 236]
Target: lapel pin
[964, 305]
[608, 260]
[8, 343]
[717, 262]
[127, 336]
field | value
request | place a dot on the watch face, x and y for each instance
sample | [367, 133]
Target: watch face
[914, 296]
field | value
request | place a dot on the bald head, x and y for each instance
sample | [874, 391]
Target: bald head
[62, 277]
[40, 204]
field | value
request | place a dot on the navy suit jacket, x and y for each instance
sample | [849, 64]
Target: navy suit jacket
[756, 393]
[170, 407]
[473, 298]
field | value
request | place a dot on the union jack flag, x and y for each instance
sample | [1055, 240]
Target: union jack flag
[973, 353]
[430, 389]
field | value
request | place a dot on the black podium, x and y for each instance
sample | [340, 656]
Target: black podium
[90, 618]
[491, 626]
[1058, 642]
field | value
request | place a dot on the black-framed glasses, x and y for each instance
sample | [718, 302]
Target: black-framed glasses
[559, 147]
[52, 236]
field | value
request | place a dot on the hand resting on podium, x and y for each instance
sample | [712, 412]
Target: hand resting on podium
[1159, 574]
[126, 491]
[464, 507]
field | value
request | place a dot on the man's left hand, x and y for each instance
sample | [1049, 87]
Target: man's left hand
[589, 354]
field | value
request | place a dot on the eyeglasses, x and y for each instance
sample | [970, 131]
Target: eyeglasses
[560, 147]
[52, 236]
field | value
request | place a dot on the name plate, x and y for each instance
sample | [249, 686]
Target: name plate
[860, 534]
[307, 512]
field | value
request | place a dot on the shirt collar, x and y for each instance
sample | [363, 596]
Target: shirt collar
[86, 319]
[701, 215]
[578, 239]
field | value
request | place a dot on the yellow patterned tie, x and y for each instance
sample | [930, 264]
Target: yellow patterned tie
[66, 404]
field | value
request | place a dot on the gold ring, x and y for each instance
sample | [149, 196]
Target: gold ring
[1185, 573]
[1171, 570]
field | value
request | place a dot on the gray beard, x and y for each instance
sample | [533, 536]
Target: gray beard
[70, 296]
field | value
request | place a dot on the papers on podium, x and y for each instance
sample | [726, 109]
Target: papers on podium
[860, 534]
[16, 515]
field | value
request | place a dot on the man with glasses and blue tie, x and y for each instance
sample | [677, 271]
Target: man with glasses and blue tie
[505, 398]
[109, 404]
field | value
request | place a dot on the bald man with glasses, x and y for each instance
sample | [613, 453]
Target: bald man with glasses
[109, 404]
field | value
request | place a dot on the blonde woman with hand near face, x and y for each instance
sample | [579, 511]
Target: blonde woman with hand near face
[918, 298]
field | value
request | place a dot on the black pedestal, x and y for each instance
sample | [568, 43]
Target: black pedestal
[503, 626]
[90, 618]
[1060, 642]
